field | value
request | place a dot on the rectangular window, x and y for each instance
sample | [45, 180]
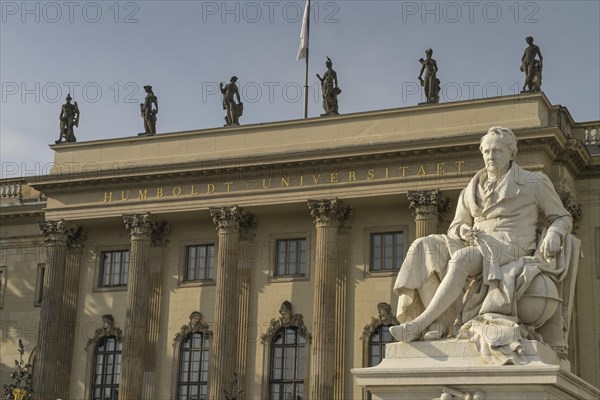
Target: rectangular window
[200, 263]
[114, 269]
[39, 285]
[387, 251]
[290, 258]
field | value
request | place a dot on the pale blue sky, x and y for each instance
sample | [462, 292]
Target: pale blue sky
[107, 50]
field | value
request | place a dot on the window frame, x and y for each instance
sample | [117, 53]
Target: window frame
[368, 253]
[182, 282]
[299, 352]
[116, 353]
[204, 350]
[100, 276]
[274, 239]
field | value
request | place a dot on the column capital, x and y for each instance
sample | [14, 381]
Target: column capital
[428, 204]
[232, 219]
[77, 237]
[146, 225]
[330, 212]
[55, 231]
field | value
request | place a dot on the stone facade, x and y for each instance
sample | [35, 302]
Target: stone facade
[245, 193]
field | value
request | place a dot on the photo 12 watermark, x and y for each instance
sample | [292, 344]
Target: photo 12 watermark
[270, 92]
[252, 12]
[53, 12]
[452, 12]
[412, 92]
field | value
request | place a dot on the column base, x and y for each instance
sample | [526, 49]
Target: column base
[452, 369]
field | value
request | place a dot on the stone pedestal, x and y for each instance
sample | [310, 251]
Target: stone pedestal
[453, 369]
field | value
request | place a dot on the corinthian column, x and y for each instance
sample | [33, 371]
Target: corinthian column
[428, 206]
[247, 259]
[329, 216]
[75, 242]
[46, 372]
[141, 228]
[224, 351]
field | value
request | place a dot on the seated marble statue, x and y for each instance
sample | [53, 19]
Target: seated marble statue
[490, 256]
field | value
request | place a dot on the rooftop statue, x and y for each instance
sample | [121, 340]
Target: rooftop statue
[69, 118]
[329, 86]
[149, 109]
[234, 110]
[493, 249]
[532, 67]
[430, 83]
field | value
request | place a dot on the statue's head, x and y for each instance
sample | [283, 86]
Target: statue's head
[499, 148]
[195, 318]
[384, 309]
[328, 63]
[234, 79]
[429, 52]
[286, 311]
[107, 321]
[148, 88]
[69, 98]
[529, 39]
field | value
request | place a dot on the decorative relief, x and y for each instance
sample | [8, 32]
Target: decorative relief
[195, 325]
[107, 329]
[385, 317]
[449, 393]
[330, 212]
[428, 204]
[286, 320]
[231, 218]
[592, 135]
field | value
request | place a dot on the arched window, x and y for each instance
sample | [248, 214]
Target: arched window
[286, 375]
[107, 369]
[192, 383]
[377, 341]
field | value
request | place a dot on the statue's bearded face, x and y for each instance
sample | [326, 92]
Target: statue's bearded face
[496, 154]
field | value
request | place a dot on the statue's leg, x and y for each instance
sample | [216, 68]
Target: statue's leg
[465, 262]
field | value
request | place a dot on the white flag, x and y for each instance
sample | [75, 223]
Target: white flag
[304, 33]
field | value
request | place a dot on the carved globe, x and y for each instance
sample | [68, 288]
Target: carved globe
[539, 302]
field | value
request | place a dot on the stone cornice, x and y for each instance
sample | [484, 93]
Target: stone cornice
[530, 139]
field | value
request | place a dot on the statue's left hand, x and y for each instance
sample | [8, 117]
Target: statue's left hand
[551, 245]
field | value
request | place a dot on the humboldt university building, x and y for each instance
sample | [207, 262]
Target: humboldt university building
[258, 261]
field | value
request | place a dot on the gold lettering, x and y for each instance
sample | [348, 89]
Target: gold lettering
[176, 191]
[125, 195]
[159, 193]
[210, 188]
[334, 177]
[371, 175]
[351, 176]
[228, 184]
[422, 171]
[387, 172]
[459, 165]
[316, 178]
[143, 195]
[108, 197]
[285, 182]
[301, 180]
[265, 186]
[193, 191]
[441, 168]
[403, 169]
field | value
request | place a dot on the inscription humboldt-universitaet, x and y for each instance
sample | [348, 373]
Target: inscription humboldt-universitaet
[442, 170]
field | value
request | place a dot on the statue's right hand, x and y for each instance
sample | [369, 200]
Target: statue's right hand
[467, 233]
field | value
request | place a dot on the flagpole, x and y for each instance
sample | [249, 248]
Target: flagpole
[307, 52]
